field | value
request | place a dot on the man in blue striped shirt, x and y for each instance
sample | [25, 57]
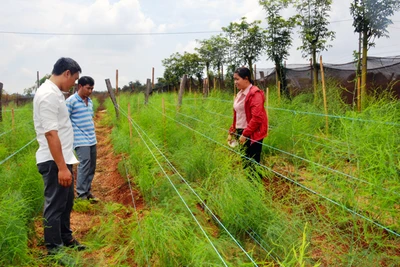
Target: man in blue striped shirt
[80, 108]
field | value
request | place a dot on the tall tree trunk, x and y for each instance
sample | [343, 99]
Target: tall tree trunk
[250, 62]
[208, 75]
[284, 87]
[199, 87]
[357, 87]
[190, 85]
[222, 75]
[219, 75]
[278, 69]
[364, 68]
[315, 74]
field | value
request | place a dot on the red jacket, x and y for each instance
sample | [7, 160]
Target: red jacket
[256, 116]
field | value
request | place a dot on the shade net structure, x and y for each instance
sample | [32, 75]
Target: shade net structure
[383, 75]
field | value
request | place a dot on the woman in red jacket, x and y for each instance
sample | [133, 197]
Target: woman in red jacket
[250, 122]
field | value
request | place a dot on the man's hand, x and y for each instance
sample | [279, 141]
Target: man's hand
[64, 177]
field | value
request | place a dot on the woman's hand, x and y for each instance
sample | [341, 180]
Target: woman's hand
[229, 137]
[242, 139]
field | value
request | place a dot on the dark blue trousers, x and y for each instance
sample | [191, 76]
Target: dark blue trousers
[57, 207]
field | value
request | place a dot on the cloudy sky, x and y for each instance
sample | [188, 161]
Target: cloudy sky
[28, 45]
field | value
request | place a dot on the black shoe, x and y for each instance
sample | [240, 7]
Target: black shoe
[82, 197]
[92, 198]
[75, 245]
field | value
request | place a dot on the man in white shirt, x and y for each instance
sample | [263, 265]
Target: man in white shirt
[55, 155]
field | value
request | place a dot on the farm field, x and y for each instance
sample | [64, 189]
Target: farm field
[321, 197]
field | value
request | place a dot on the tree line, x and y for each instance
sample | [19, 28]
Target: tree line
[243, 43]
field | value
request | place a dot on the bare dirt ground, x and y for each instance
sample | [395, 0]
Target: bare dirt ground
[108, 184]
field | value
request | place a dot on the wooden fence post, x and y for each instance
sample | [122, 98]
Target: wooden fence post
[182, 89]
[147, 93]
[324, 94]
[112, 96]
[152, 78]
[116, 82]
[1, 103]
[116, 85]
[205, 88]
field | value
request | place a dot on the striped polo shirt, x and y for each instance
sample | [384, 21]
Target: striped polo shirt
[82, 120]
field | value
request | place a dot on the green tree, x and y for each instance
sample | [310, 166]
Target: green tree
[278, 36]
[248, 40]
[220, 46]
[173, 69]
[214, 53]
[28, 91]
[234, 59]
[162, 84]
[177, 65]
[133, 87]
[206, 52]
[314, 16]
[370, 20]
[193, 66]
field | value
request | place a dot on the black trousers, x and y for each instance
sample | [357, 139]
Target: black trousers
[57, 207]
[252, 151]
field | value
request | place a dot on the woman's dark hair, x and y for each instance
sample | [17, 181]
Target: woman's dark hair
[244, 72]
[84, 80]
[64, 64]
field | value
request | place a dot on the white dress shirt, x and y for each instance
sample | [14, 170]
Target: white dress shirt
[51, 113]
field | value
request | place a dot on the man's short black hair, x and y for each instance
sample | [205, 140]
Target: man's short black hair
[84, 80]
[66, 63]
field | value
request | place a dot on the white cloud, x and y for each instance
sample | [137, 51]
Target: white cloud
[215, 25]
[188, 47]
[95, 54]
[199, 4]
[134, 55]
